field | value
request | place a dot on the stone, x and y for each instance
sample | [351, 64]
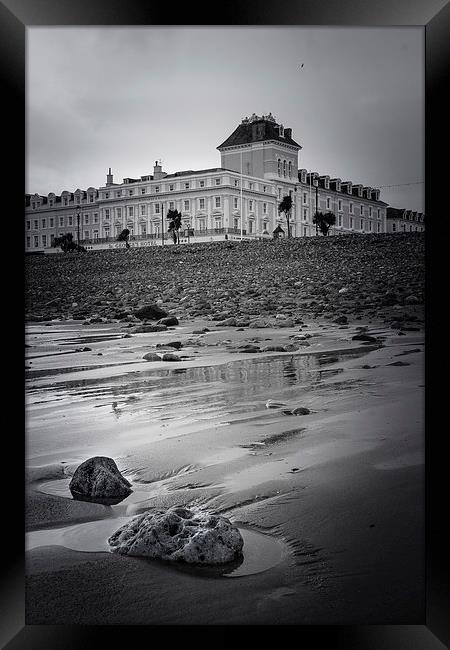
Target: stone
[146, 328]
[412, 300]
[152, 356]
[341, 320]
[364, 337]
[150, 312]
[172, 344]
[273, 404]
[227, 322]
[99, 480]
[274, 348]
[168, 321]
[170, 356]
[179, 535]
[301, 410]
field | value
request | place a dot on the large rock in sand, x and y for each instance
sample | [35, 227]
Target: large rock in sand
[150, 312]
[98, 479]
[179, 534]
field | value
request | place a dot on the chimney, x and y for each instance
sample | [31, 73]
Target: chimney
[157, 172]
[109, 178]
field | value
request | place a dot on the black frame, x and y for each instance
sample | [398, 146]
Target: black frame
[434, 16]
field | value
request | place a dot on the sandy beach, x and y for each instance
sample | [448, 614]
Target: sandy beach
[330, 504]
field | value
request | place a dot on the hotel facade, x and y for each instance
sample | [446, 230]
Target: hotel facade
[239, 199]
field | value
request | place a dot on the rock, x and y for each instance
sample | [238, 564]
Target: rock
[172, 344]
[258, 324]
[150, 312]
[202, 331]
[170, 356]
[272, 404]
[227, 322]
[412, 300]
[301, 410]
[179, 535]
[145, 329]
[98, 479]
[364, 337]
[151, 356]
[274, 348]
[341, 320]
[169, 321]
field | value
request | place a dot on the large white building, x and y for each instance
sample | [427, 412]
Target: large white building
[259, 166]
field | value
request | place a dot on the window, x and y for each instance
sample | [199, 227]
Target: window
[130, 211]
[95, 217]
[44, 223]
[328, 202]
[202, 204]
[351, 208]
[130, 192]
[61, 221]
[28, 242]
[250, 186]
[279, 167]
[36, 224]
[143, 210]
[86, 218]
[186, 205]
[119, 193]
[361, 209]
[250, 226]
[378, 227]
[51, 203]
[361, 224]
[118, 213]
[52, 222]
[284, 168]
[304, 232]
[236, 203]
[217, 181]
[95, 235]
[264, 188]
[217, 201]
[236, 183]
[156, 189]
[172, 205]
[86, 234]
[143, 190]
[250, 205]
[340, 220]
[44, 240]
[305, 198]
[65, 201]
[394, 227]
[28, 225]
[33, 206]
[378, 213]
[143, 229]
[290, 169]
[218, 224]
[107, 232]
[70, 220]
[170, 188]
[202, 224]
[370, 210]
[370, 226]
[157, 208]
[279, 192]
[264, 208]
[340, 204]
[91, 198]
[186, 186]
[351, 223]
[305, 214]
[236, 223]
[36, 241]
[202, 183]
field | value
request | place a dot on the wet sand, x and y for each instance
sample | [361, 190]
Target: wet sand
[341, 490]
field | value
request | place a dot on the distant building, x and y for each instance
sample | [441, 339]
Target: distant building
[401, 220]
[259, 166]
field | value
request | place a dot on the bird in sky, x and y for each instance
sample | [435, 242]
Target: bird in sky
[302, 66]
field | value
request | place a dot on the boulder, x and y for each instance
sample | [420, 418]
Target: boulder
[146, 328]
[98, 479]
[227, 322]
[179, 535]
[170, 356]
[151, 356]
[168, 321]
[364, 337]
[150, 312]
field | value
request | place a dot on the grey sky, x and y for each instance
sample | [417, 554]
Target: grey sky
[124, 97]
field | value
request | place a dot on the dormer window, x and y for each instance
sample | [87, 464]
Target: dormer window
[33, 206]
[50, 202]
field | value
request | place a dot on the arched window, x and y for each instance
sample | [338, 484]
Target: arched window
[279, 167]
[284, 168]
[290, 169]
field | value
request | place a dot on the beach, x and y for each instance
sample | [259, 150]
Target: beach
[330, 503]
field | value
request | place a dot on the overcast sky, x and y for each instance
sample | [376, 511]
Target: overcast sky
[124, 97]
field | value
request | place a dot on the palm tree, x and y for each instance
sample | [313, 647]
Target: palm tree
[174, 221]
[286, 207]
[124, 236]
[324, 221]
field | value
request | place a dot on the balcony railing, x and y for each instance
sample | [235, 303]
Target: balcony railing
[168, 236]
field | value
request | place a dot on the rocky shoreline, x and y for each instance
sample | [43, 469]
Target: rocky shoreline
[238, 284]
